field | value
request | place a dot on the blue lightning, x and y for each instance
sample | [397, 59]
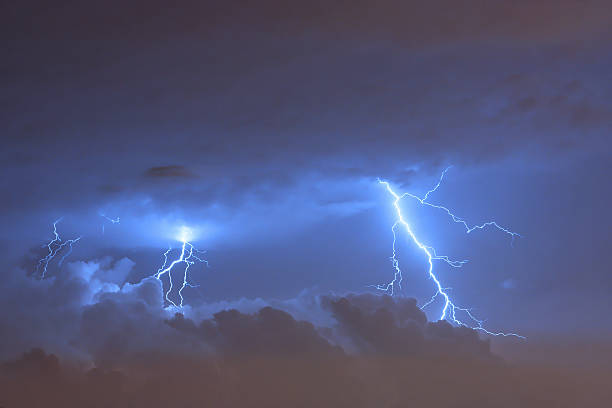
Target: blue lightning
[450, 311]
[112, 221]
[189, 255]
[55, 246]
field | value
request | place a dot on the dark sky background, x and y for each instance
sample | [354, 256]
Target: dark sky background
[264, 126]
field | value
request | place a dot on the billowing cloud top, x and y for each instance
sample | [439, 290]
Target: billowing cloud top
[119, 347]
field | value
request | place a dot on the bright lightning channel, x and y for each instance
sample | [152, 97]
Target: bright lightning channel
[55, 246]
[450, 311]
[188, 256]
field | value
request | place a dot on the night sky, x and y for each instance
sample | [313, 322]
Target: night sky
[263, 127]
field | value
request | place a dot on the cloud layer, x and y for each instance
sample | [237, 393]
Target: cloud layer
[263, 126]
[90, 310]
[114, 345]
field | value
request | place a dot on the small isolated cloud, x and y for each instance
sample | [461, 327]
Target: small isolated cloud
[173, 171]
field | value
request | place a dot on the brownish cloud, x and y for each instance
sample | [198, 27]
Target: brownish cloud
[173, 171]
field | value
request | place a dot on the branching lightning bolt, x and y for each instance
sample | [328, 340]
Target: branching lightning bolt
[55, 246]
[188, 256]
[107, 218]
[450, 310]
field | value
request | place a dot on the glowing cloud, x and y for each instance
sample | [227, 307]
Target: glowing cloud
[188, 256]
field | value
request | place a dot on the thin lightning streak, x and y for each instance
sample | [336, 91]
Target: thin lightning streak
[437, 185]
[188, 256]
[450, 310]
[55, 246]
[468, 228]
[112, 220]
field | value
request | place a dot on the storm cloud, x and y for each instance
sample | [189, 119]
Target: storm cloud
[379, 350]
[263, 128]
[97, 315]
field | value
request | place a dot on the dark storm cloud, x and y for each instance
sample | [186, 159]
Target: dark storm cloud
[413, 22]
[372, 350]
[95, 312]
[36, 379]
[288, 112]
[89, 309]
[380, 324]
[267, 332]
[56, 312]
[325, 89]
[173, 171]
[365, 323]
[271, 120]
[267, 362]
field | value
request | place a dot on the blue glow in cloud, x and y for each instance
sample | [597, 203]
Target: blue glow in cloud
[188, 256]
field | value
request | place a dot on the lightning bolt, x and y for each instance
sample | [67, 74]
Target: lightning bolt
[112, 220]
[450, 311]
[188, 256]
[54, 246]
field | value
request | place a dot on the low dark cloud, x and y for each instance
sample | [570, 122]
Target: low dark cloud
[268, 332]
[38, 379]
[110, 343]
[90, 310]
[381, 324]
[173, 171]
